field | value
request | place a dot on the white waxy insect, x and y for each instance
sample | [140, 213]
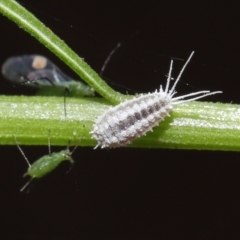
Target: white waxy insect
[133, 118]
[46, 163]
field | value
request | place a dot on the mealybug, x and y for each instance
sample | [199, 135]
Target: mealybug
[44, 75]
[45, 164]
[121, 124]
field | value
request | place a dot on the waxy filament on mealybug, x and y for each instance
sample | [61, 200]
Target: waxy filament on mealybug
[133, 118]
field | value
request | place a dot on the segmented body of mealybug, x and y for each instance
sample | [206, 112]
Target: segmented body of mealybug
[129, 120]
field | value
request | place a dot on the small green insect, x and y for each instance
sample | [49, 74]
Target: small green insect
[45, 164]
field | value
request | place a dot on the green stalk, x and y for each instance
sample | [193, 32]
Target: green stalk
[196, 125]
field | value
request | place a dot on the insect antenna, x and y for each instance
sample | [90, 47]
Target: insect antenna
[21, 151]
[172, 91]
[74, 149]
[169, 77]
[114, 50]
[109, 58]
[204, 94]
[180, 74]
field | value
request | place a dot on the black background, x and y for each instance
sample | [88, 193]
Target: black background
[130, 193]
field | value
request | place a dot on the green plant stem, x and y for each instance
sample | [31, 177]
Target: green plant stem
[196, 125]
[15, 12]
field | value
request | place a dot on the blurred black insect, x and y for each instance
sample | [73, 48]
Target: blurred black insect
[39, 72]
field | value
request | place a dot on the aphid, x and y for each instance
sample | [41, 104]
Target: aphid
[45, 164]
[129, 120]
[44, 75]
